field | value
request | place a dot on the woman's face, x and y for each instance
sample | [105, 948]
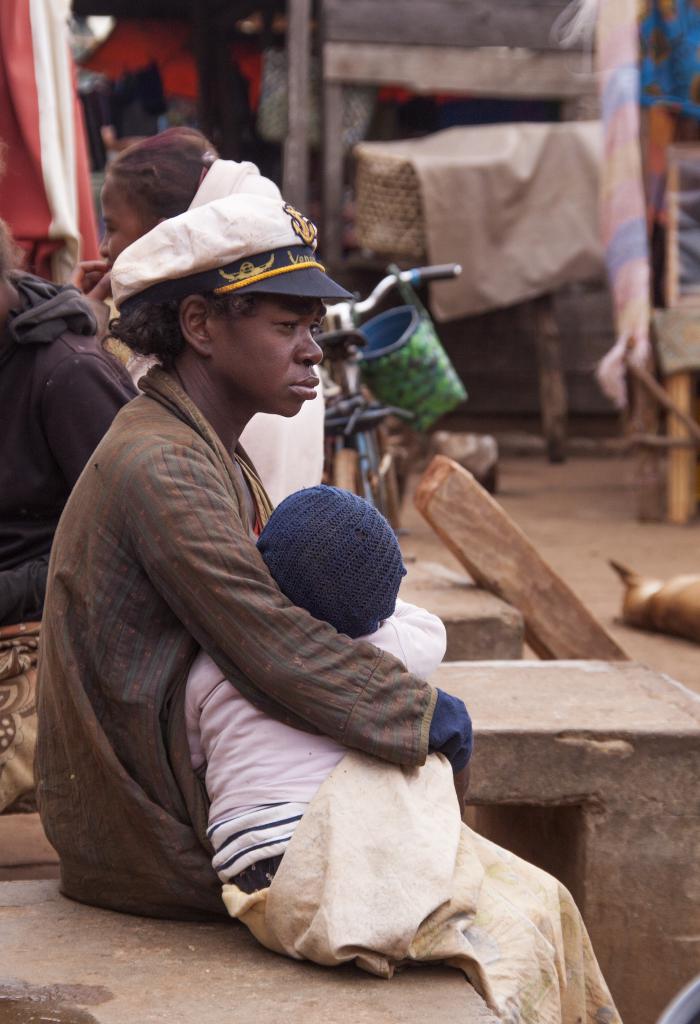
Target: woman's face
[123, 221]
[264, 362]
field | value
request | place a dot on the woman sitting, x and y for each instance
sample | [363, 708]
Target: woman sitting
[155, 560]
[59, 391]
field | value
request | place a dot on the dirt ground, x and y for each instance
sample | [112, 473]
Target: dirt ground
[579, 514]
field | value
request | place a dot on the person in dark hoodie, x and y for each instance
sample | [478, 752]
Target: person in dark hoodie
[59, 392]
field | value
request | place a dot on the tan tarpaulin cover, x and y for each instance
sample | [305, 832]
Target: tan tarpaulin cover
[516, 205]
[381, 870]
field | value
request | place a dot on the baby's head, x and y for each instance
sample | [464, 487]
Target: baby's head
[335, 555]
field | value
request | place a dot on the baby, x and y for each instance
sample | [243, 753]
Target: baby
[332, 553]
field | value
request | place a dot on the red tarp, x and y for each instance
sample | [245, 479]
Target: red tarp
[45, 194]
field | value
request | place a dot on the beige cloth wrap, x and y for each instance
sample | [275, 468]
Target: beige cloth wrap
[515, 204]
[382, 872]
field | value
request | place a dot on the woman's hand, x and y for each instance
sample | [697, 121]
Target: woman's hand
[93, 279]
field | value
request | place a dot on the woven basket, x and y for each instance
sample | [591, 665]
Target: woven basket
[389, 211]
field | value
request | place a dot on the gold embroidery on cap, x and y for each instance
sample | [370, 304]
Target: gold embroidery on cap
[303, 258]
[247, 270]
[269, 273]
[302, 226]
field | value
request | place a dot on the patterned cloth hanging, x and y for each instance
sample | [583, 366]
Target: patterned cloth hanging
[623, 210]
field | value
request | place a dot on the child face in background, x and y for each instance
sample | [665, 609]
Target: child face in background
[124, 221]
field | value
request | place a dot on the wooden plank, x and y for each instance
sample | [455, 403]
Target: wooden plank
[681, 500]
[553, 403]
[332, 156]
[500, 558]
[672, 260]
[525, 23]
[295, 177]
[489, 71]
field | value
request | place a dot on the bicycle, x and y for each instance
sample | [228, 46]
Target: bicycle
[361, 452]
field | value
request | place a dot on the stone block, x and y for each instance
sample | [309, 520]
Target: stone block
[79, 965]
[479, 625]
[592, 771]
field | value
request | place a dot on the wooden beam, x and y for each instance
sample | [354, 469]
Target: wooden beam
[649, 464]
[332, 170]
[206, 69]
[526, 23]
[490, 71]
[553, 403]
[132, 8]
[500, 558]
[295, 178]
[681, 482]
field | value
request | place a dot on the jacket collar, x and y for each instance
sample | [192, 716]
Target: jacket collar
[163, 388]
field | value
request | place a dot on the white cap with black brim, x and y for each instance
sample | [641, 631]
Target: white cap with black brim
[242, 243]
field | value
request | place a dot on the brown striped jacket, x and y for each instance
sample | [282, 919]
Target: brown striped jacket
[150, 562]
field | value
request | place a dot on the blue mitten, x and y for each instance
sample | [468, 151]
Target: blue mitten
[451, 730]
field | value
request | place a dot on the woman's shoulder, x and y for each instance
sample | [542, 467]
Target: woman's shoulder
[146, 440]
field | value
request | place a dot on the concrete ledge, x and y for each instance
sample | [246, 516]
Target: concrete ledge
[592, 771]
[81, 965]
[25, 852]
[479, 625]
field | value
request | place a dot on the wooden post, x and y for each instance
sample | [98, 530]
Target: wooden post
[681, 461]
[500, 558]
[206, 101]
[553, 404]
[649, 462]
[295, 176]
[672, 256]
[332, 151]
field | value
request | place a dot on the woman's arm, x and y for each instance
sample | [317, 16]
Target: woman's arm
[184, 522]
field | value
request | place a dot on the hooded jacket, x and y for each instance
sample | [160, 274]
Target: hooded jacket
[59, 392]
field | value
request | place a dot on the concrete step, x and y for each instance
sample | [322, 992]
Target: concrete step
[66, 962]
[479, 625]
[591, 770]
[25, 852]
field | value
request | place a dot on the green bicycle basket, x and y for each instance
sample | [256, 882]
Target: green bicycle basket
[404, 363]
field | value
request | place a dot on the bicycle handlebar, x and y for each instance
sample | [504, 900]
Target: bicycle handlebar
[360, 419]
[340, 339]
[434, 273]
[415, 277]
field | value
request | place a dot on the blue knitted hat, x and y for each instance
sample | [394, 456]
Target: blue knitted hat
[335, 555]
